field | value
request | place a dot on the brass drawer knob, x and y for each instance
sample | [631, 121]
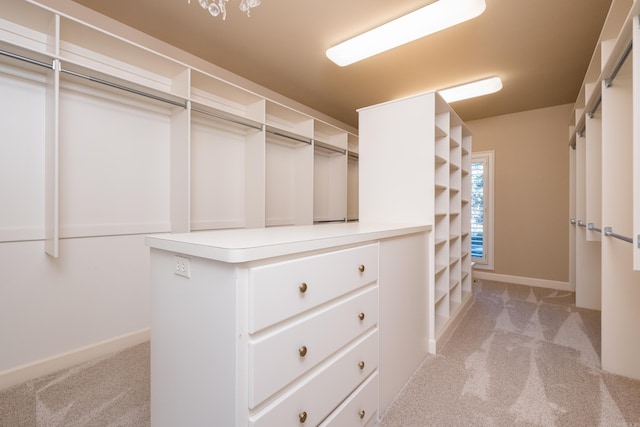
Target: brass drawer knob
[303, 416]
[302, 288]
[361, 316]
[361, 268]
[361, 413]
[302, 351]
[361, 365]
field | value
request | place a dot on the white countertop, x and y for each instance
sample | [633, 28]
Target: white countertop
[243, 245]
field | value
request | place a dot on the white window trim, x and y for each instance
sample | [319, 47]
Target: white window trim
[488, 157]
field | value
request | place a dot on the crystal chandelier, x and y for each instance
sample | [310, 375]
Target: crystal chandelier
[219, 7]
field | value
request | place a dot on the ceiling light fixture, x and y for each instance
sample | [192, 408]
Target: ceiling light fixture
[219, 7]
[420, 23]
[471, 90]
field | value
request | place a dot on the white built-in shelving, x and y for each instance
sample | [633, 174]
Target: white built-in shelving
[352, 177]
[416, 163]
[605, 213]
[136, 141]
[330, 161]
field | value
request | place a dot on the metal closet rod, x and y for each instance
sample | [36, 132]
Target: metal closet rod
[26, 59]
[146, 94]
[93, 79]
[592, 227]
[323, 146]
[608, 82]
[592, 113]
[329, 221]
[284, 135]
[228, 119]
[608, 231]
[124, 88]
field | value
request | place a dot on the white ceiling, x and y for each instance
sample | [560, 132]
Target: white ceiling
[540, 48]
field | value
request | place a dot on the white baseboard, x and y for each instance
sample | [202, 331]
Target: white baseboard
[71, 358]
[437, 342]
[519, 280]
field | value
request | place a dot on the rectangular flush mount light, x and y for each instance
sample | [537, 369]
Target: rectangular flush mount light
[471, 90]
[420, 23]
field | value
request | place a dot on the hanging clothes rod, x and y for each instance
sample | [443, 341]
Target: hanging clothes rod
[26, 59]
[329, 221]
[93, 79]
[228, 119]
[284, 135]
[608, 231]
[608, 82]
[592, 227]
[329, 148]
[124, 88]
[354, 155]
[592, 113]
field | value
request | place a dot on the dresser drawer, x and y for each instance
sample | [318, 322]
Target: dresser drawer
[317, 395]
[277, 359]
[279, 291]
[358, 409]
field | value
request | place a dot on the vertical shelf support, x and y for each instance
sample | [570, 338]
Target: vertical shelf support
[52, 135]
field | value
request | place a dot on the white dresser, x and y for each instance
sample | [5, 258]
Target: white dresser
[288, 326]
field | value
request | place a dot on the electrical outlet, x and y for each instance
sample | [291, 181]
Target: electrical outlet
[182, 266]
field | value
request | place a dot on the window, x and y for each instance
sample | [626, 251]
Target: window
[482, 209]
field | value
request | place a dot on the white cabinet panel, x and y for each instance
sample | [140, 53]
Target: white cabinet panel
[279, 291]
[415, 161]
[311, 401]
[217, 175]
[275, 360]
[265, 378]
[358, 409]
[114, 164]
[22, 120]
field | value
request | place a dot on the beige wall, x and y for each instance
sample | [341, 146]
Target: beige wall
[531, 190]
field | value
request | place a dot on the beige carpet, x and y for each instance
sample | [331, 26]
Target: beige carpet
[112, 391]
[521, 357]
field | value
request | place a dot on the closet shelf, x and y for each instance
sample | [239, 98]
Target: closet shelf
[440, 172]
[439, 160]
[438, 242]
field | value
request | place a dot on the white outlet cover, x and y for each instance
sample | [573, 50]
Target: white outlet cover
[182, 266]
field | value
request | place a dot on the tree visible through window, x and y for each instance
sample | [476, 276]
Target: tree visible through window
[482, 209]
[477, 210]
